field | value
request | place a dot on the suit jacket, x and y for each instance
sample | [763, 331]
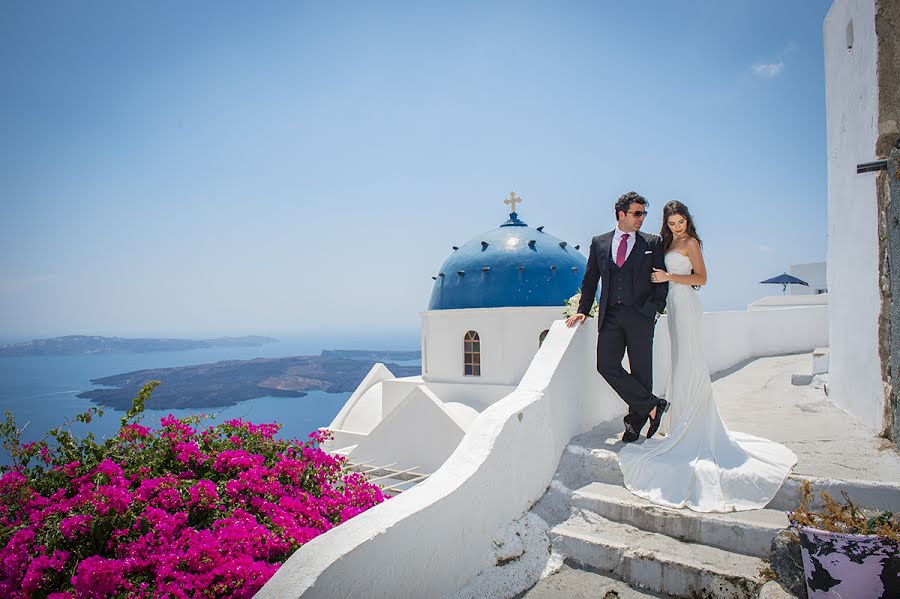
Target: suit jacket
[649, 297]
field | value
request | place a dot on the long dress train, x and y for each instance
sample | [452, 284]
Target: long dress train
[700, 464]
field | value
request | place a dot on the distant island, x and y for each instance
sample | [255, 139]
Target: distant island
[226, 383]
[74, 345]
[373, 356]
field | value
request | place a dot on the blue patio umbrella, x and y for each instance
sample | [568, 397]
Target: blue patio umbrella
[784, 280]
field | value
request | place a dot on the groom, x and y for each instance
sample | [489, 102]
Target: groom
[628, 307]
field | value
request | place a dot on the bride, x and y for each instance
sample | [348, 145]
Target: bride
[699, 464]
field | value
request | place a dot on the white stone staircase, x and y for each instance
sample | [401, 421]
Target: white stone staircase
[597, 524]
[748, 533]
[655, 561]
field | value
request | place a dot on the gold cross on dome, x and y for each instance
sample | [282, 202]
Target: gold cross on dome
[512, 201]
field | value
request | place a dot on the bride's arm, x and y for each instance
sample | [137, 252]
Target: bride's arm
[698, 277]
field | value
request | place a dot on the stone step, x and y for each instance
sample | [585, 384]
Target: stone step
[578, 583]
[747, 532]
[580, 465]
[656, 562]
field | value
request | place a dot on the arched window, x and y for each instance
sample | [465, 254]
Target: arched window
[472, 354]
[542, 336]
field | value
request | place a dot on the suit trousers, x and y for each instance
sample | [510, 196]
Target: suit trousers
[625, 329]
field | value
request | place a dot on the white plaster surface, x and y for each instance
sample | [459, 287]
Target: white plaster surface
[362, 410]
[421, 432]
[814, 273]
[820, 361]
[788, 301]
[509, 340]
[394, 391]
[477, 395]
[851, 99]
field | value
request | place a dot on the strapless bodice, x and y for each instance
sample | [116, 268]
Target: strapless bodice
[678, 264]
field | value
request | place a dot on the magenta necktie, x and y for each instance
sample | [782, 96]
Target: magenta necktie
[623, 249]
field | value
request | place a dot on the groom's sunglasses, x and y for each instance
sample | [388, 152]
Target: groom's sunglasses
[639, 213]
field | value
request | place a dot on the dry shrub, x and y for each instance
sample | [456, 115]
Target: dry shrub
[846, 517]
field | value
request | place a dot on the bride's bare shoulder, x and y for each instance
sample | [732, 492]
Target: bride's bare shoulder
[682, 246]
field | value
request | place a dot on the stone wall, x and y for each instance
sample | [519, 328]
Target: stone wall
[887, 30]
[889, 337]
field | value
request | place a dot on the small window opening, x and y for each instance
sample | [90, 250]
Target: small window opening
[472, 354]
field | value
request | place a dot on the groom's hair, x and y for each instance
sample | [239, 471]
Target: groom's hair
[632, 197]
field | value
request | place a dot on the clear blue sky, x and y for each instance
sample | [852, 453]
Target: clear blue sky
[193, 168]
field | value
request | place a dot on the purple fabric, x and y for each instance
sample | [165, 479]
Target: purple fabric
[622, 251]
[842, 565]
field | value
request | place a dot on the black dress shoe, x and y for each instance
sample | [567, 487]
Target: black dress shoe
[630, 435]
[661, 408]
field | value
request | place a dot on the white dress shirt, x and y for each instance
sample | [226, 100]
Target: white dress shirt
[617, 238]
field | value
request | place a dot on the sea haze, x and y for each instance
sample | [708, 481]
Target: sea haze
[41, 391]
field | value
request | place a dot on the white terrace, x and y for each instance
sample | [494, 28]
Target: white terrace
[435, 539]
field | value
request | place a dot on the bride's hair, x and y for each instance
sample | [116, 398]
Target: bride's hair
[669, 210]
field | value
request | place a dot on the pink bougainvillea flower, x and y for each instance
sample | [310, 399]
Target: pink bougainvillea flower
[170, 513]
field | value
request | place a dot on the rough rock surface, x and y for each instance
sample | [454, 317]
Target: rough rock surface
[787, 562]
[520, 554]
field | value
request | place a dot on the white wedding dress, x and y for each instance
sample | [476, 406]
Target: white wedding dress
[700, 464]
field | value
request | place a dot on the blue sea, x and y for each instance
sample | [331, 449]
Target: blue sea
[41, 391]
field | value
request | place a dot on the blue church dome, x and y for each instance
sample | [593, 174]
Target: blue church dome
[512, 265]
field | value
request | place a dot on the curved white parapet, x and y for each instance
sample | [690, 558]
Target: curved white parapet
[430, 540]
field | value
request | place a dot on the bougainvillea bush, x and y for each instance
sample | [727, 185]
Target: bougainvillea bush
[179, 511]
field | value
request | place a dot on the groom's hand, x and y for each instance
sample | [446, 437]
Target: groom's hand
[574, 320]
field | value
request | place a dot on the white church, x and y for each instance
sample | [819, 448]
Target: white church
[493, 302]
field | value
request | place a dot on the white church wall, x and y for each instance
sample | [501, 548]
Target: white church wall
[509, 340]
[851, 97]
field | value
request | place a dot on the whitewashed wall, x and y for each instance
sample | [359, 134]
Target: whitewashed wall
[509, 340]
[431, 540]
[732, 337]
[851, 98]
[788, 301]
[814, 273]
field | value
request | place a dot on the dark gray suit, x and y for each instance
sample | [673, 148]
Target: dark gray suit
[626, 316]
